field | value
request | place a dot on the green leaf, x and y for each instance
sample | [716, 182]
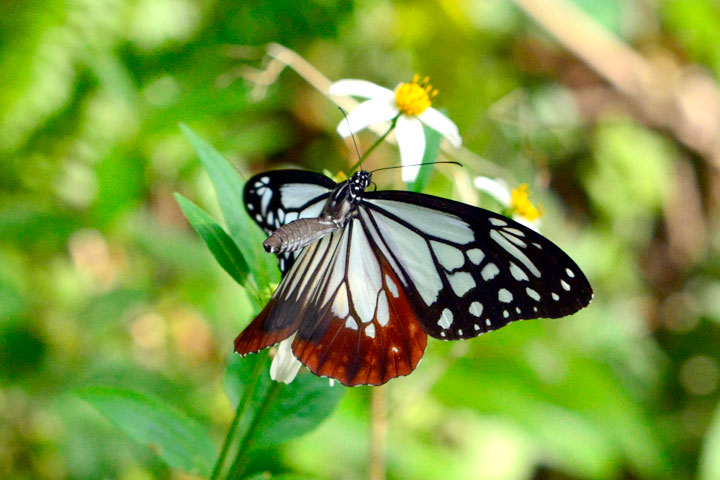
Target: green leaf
[277, 412]
[178, 440]
[223, 248]
[228, 188]
[709, 464]
[432, 148]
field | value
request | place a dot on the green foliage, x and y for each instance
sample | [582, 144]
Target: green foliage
[709, 467]
[223, 248]
[632, 173]
[104, 282]
[228, 188]
[432, 148]
[180, 441]
[695, 24]
[276, 412]
[268, 413]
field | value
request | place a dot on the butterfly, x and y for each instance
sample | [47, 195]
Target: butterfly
[367, 276]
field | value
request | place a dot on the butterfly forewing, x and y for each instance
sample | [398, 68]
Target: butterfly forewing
[276, 198]
[471, 270]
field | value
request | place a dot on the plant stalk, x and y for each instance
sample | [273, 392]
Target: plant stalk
[241, 459]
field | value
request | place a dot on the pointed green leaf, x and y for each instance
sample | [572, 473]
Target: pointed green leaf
[432, 148]
[218, 241]
[709, 464]
[228, 188]
[178, 440]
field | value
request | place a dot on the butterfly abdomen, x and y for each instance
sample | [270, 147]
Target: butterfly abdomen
[298, 234]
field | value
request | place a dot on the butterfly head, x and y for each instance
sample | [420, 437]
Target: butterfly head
[359, 181]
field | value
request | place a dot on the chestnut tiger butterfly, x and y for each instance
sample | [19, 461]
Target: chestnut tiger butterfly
[367, 276]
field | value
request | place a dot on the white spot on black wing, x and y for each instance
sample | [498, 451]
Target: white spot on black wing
[446, 319]
[514, 231]
[505, 296]
[518, 273]
[490, 271]
[532, 294]
[461, 283]
[476, 309]
[515, 252]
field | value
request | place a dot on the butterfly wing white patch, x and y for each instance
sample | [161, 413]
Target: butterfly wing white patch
[275, 198]
[470, 270]
[362, 299]
[354, 323]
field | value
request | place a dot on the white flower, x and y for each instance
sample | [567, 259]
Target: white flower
[410, 103]
[516, 201]
[284, 366]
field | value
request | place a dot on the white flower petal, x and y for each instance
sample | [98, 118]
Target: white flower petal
[284, 366]
[497, 189]
[365, 114]
[411, 140]
[360, 88]
[439, 122]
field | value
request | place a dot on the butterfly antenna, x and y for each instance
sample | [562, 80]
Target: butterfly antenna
[418, 165]
[353, 136]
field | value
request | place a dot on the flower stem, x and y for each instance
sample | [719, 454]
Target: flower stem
[241, 459]
[239, 412]
[377, 142]
[226, 443]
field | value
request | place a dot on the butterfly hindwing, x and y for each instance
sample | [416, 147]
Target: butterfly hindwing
[354, 323]
[364, 330]
[293, 299]
[471, 270]
[276, 198]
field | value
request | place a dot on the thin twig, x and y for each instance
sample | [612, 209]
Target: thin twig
[281, 57]
[685, 101]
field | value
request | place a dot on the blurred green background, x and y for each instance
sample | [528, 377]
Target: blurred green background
[102, 281]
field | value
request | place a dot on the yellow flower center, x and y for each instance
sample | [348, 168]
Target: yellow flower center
[521, 205]
[414, 98]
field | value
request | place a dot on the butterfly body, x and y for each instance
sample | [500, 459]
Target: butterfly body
[341, 206]
[368, 275]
